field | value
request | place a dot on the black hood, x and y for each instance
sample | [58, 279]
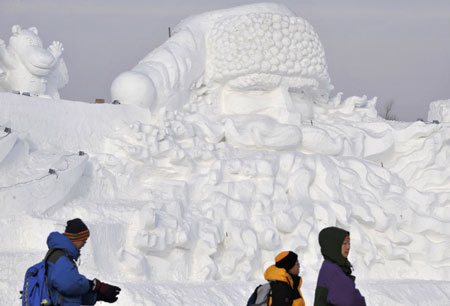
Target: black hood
[330, 240]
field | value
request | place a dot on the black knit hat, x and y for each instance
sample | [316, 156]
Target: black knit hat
[76, 230]
[286, 260]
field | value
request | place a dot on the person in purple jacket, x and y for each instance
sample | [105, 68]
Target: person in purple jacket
[336, 284]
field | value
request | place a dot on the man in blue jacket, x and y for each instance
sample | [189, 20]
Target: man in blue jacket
[336, 284]
[68, 287]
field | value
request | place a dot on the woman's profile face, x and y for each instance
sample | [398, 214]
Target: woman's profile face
[345, 249]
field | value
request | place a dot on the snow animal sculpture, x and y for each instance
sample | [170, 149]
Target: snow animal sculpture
[25, 66]
[240, 60]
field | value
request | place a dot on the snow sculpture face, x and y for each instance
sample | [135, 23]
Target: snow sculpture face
[22, 38]
[267, 64]
[27, 45]
[255, 59]
[28, 67]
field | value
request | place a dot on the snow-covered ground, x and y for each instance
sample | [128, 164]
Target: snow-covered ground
[216, 161]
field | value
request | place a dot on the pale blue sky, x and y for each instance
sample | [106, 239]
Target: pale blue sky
[395, 50]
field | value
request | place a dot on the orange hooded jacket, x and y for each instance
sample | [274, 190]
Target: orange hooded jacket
[274, 273]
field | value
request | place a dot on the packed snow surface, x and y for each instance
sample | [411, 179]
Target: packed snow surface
[216, 163]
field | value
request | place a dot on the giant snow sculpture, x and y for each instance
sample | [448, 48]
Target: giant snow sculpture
[26, 67]
[245, 91]
[212, 185]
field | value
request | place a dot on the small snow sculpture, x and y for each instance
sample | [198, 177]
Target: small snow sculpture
[440, 111]
[26, 67]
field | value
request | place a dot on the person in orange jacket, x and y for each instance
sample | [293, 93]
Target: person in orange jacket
[285, 280]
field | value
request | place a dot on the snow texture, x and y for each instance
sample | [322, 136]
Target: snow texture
[217, 164]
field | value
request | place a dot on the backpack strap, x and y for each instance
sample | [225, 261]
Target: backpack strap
[269, 296]
[53, 255]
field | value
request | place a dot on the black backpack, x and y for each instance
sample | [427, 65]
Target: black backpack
[261, 295]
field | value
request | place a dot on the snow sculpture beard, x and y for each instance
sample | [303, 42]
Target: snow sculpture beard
[266, 64]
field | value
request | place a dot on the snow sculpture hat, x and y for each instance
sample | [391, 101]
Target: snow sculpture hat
[76, 230]
[286, 260]
[277, 43]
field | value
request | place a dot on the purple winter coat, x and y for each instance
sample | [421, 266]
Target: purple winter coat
[334, 287]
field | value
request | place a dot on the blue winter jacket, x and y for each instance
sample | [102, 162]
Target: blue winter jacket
[63, 276]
